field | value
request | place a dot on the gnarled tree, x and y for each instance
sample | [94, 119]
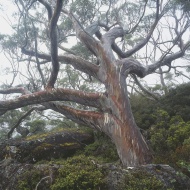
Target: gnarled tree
[120, 37]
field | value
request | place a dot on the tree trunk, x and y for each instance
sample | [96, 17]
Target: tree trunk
[120, 125]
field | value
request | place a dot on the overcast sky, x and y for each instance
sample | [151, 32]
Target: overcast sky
[6, 11]
[5, 21]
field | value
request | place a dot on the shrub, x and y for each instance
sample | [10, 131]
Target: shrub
[79, 173]
[103, 149]
[141, 180]
[29, 179]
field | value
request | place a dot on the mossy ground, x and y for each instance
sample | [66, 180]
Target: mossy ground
[57, 130]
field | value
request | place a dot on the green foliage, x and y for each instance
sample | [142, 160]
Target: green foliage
[81, 50]
[182, 152]
[169, 138]
[184, 165]
[162, 118]
[84, 9]
[178, 133]
[36, 126]
[103, 149]
[184, 4]
[167, 125]
[66, 26]
[143, 110]
[29, 179]
[168, 133]
[141, 180]
[177, 101]
[7, 121]
[78, 80]
[79, 173]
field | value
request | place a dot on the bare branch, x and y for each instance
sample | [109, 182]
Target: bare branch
[144, 41]
[19, 90]
[66, 49]
[108, 40]
[83, 35]
[44, 178]
[180, 73]
[132, 66]
[136, 25]
[54, 45]
[144, 89]
[89, 99]
[76, 61]
[111, 35]
[167, 60]
[37, 60]
[48, 7]
[89, 118]
[164, 87]
[82, 65]
[19, 122]
[110, 3]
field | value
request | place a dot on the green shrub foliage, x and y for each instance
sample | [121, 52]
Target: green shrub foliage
[79, 173]
[168, 133]
[166, 125]
[29, 179]
[141, 180]
[103, 149]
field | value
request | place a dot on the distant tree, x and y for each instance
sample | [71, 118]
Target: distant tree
[119, 39]
[36, 126]
[9, 122]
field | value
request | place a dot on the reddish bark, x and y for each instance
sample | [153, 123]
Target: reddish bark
[89, 99]
[131, 146]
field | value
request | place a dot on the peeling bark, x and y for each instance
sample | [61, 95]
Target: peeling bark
[90, 99]
[131, 146]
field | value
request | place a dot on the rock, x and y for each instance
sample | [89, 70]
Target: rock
[14, 176]
[168, 175]
[18, 171]
[45, 146]
[164, 176]
[11, 175]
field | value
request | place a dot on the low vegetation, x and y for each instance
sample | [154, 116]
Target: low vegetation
[167, 131]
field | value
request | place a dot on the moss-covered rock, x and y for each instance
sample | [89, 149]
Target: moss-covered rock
[46, 146]
[147, 177]
[81, 172]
